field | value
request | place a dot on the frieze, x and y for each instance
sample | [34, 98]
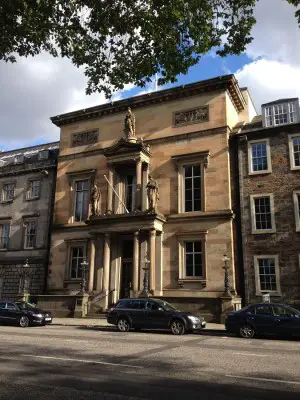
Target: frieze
[83, 138]
[190, 116]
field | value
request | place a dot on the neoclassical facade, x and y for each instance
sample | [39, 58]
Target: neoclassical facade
[147, 181]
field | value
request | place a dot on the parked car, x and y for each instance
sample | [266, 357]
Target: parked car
[23, 314]
[152, 314]
[269, 319]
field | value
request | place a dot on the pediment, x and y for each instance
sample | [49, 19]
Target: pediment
[123, 146]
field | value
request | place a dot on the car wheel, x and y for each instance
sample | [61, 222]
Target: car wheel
[123, 325]
[177, 327]
[24, 322]
[247, 331]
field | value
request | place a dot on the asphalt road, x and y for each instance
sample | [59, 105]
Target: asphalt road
[57, 362]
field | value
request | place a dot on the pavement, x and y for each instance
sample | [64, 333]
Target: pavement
[102, 322]
[98, 362]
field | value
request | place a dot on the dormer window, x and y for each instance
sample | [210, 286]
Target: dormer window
[19, 159]
[43, 155]
[281, 112]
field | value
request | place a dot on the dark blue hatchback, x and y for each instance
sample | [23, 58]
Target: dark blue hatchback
[269, 319]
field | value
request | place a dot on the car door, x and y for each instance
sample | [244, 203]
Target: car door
[287, 322]
[13, 312]
[264, 320]
[156, 316]
[2, 311]
[137, 312]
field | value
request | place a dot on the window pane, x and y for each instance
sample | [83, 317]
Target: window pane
[193, 258]
[263, 213]
[198, 246]
[263, 310]
[267, 274]
[189, 247]
[196, 170]
[81, 200]
[296, 148]
[259, 156]
[192, 186]
[188, 171]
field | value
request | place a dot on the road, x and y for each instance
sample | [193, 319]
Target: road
[57, 362]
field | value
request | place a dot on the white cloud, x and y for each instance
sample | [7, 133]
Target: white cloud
[275, 71]
[270, 80]
[33, 90]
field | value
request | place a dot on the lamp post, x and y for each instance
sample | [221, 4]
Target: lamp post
[84, 265]
[25, 272]
[145, 291]
[226, 293]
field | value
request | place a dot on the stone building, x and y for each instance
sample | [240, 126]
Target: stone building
[266, 155]
[147, 181]
[27, 182]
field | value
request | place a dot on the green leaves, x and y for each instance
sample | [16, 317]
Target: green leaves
[126, 41]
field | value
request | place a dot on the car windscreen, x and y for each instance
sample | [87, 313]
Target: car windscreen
[25, 305]
[165, 305]
[295, 312]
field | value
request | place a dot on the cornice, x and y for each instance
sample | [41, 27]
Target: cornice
[167, 139]
[226, 83]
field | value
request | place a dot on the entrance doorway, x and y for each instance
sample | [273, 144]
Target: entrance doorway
[126, 275]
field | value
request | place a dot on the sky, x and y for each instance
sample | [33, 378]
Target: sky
[35, 89]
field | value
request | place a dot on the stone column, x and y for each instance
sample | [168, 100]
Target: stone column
[144, 184]
[138, 184]
[106, 265]
[110, 191]
[92, 265]
[152, 239]
[135, 263]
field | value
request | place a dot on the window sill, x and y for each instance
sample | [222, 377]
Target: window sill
[33, 198]
[183, 281]
[6, 201]
[253, 173]
[73, 280]
[295, 168]
[272, 294]
[263, 232]
[29, 248]
[3, 249]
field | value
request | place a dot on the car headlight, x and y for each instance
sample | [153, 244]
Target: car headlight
[193, 319]
[38, 315]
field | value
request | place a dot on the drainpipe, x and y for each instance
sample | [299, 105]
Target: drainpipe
[50, 224]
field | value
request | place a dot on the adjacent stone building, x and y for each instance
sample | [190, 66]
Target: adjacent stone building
[27, 182]
[147, 182]
[266, 158]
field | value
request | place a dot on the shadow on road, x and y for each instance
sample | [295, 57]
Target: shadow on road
[152, 380]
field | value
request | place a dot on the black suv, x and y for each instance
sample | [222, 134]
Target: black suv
[152, 314]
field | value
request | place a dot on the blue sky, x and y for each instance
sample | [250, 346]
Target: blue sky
[35, 89]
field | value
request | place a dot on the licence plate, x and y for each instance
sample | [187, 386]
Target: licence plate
[47, 319]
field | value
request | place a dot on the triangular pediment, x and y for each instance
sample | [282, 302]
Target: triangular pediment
[123, 146]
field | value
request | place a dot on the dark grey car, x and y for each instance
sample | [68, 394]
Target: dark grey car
[152, 314]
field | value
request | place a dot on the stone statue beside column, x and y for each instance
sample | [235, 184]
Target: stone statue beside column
[152, 194]
[95, 200]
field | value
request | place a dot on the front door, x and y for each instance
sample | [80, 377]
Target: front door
[126, 276]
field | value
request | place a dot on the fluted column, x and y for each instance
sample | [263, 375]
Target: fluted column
[135, 262]
[92, 265]
[138, 184]
[106, 263]
[144, 184]
[110, 191]
[152, 239]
